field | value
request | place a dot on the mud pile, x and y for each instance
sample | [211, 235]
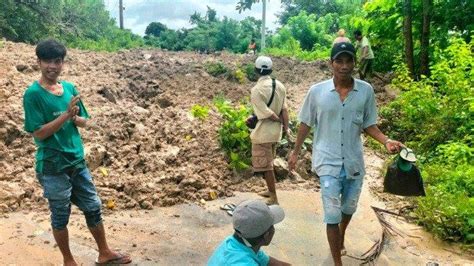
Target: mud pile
[146, 149]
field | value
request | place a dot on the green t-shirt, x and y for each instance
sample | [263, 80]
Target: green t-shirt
[64, 148]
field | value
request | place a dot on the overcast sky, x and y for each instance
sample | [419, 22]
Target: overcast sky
[175, 13]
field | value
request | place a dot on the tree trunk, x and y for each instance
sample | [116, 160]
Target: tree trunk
[408, 36]
[425, 38]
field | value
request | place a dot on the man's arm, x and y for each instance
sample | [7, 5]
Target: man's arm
[80, 121]
[275, 262]
[391, 145]
[47, 130]
[285, 120]
[52, 127]
[303, 131]
[260, 108]
[364, 52]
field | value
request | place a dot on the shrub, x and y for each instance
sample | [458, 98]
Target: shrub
[234, 137]
[199, 111]
[215, 68]
[249, 70]
[435, 117]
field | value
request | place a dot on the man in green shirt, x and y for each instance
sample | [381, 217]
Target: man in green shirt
[53, 111]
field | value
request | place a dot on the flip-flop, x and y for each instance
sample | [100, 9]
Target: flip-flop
[228, 207]
[230, 212]
[121, 259]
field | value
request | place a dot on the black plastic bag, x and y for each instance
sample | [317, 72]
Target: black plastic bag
[403, 183]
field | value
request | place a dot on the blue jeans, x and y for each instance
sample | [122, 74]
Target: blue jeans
[340, 196]
[74, 186]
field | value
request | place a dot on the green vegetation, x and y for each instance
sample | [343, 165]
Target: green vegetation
[216, 69]
[234, 136]
[435, 117]
[209, 34]
[83, 24]
[199, 111]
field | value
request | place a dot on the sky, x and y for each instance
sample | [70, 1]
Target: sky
[175, 13]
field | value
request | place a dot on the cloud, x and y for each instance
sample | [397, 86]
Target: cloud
[175, 13]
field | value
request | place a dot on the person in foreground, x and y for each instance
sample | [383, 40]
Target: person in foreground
[53, 113]
[340, 109]
[254, 228]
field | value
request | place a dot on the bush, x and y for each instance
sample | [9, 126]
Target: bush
[249, 70]
[234, 137]
[448, 208]
[435, 117]
[215, 68]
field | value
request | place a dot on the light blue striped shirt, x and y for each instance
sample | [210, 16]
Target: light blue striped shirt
[338, 126]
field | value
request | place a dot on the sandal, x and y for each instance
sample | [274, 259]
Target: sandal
[121, 259]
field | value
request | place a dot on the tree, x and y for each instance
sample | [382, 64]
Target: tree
[196, 18]
[408, 38]
[211, 14]
[425, 38]
[155, 29]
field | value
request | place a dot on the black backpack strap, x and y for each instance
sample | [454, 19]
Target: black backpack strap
[273, 92]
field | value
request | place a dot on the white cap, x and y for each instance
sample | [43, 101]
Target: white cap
[263, 63]
[408, 155]
[252, 218]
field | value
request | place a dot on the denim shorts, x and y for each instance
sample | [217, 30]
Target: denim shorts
[74, 186]
[340, 196]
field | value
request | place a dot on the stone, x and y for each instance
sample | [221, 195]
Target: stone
[21, 68]
[281, 168]
[95, 155]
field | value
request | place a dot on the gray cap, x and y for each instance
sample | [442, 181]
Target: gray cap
[252, 218]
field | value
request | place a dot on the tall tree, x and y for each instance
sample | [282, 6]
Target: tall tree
[407, 33]
[155, 29]
[425, 38]
[211, 14]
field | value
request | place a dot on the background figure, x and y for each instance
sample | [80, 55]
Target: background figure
[366, 55]
[341, 37]
[253, 47]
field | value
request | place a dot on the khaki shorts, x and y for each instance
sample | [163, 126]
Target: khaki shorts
[262, 156]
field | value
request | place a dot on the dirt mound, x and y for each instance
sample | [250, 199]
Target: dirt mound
[146, 149]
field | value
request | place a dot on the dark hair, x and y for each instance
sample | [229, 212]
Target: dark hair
[253, 40]
[50, 49]
[265, 72]
[357, 33]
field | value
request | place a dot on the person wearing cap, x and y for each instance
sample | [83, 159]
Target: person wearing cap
[253, 223]
[340, 109]
[271, 119]
[341, 37]
[366, 54]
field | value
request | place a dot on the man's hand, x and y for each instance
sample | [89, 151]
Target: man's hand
[393, 146]
[275, 118]
[73, 109]
[292, 160]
